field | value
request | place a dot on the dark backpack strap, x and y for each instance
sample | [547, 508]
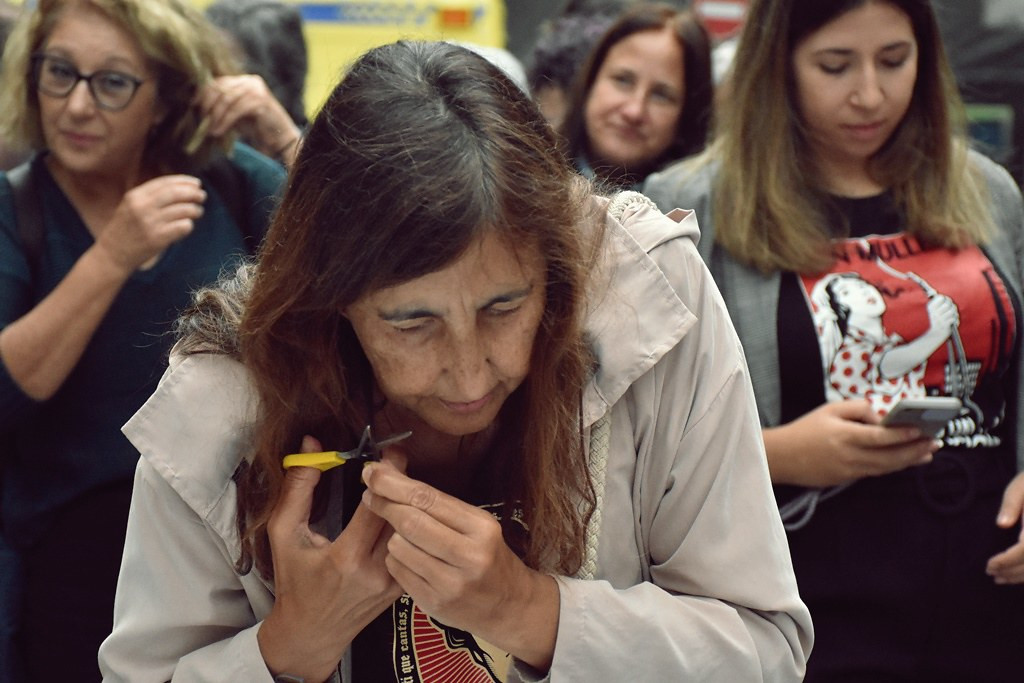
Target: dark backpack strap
[28, 214]
[230, 183]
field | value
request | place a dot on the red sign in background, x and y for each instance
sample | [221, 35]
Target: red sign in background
[723, 18]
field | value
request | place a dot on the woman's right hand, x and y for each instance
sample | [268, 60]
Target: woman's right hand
[150, 218]
[325, 592]
[840, 442]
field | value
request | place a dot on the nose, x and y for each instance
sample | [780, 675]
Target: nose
[80, 99]
[868, 93]
[469, 366]
[635, 106]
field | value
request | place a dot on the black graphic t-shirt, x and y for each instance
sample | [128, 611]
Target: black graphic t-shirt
[405, 645]
[894, 318]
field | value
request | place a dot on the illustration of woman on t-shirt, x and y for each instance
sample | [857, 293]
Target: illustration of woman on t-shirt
[862, 360]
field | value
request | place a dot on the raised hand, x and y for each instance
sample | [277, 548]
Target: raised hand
[151, 217]
[325, 592]
[942, 313]
[245, 104]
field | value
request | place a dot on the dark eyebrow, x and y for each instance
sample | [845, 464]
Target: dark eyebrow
[833, 52]
[846, 52]
[416, 313]
[895, 46]
[401, 316]
[510, 296]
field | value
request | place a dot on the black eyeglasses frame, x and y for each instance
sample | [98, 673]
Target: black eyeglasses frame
[40, 57]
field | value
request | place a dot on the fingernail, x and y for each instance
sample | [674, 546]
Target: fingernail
[366, 471]
[1004, 519]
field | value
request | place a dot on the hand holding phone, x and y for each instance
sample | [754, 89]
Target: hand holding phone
[930, 414]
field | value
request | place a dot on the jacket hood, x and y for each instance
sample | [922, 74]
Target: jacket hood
[636, 315]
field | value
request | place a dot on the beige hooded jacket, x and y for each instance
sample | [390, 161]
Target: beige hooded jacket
[691, 575]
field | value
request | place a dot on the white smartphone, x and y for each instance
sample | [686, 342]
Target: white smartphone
[928, 413]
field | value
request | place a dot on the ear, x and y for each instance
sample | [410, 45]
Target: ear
[156, 118]
[160, 108]
[159, 113]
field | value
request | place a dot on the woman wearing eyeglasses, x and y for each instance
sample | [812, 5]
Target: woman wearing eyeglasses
[132, 111]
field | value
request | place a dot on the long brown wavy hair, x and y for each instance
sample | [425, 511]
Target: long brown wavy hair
[419, 151]
[691, 134]
[769, 206]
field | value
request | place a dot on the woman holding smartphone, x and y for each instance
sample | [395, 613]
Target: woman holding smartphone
[845, 220]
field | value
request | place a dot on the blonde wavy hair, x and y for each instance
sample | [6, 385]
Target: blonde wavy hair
[185, 52]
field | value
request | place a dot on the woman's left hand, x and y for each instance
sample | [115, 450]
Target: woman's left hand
[1008, 566]
[245, 103]
[452, 559]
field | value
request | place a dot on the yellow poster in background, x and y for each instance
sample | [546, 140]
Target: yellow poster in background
[338, 32]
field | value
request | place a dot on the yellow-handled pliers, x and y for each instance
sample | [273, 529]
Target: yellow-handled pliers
[367, 450]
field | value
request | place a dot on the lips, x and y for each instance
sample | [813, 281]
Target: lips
[865, 131]
[470, 406]
[627, 133]
[79, 139]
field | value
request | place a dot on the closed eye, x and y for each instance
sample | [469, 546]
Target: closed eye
[895, 56]
[833, 69]
[413, 325]
[503, 309]
[895, 61]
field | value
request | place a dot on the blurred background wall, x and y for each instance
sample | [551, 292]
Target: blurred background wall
[984, 39]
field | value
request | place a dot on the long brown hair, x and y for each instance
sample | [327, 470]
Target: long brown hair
[418, 152]
[691, 132]
[769, 209]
